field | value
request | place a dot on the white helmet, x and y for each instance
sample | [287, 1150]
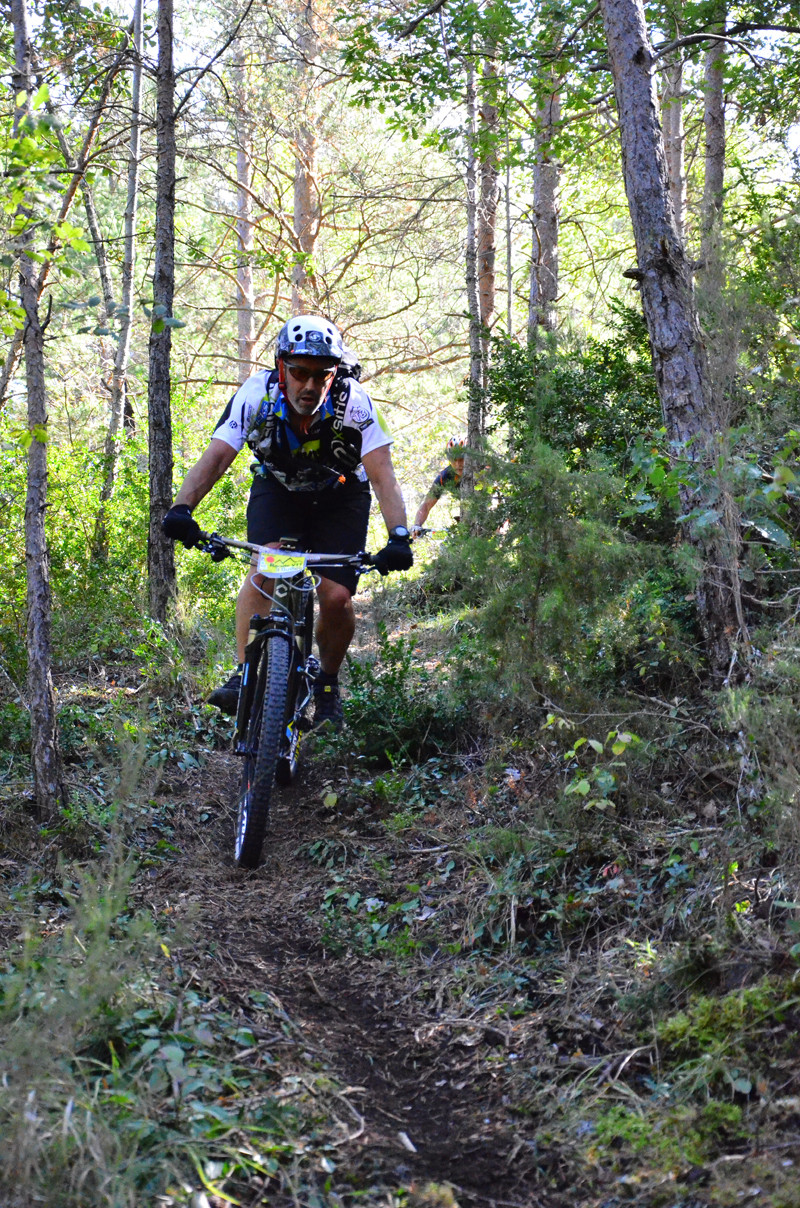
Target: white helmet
[309, 336]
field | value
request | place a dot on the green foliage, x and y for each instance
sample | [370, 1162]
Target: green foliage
[396, 711]
[715, 1046]
[597, 783]
[537, 563]
[647, 634]
[584, 400]
[682, 1135]
[15, 728]
[369, 923]
[61, 1001]
[533, 889]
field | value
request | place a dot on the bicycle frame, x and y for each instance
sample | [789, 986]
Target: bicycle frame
[287, 619]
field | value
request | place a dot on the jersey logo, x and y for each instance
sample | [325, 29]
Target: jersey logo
[361, 417]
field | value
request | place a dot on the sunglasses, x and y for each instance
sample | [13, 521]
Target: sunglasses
[318, 376]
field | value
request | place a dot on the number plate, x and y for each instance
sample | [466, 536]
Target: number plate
[277, 564]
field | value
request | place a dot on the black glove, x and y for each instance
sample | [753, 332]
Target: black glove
[178, 525]
[395, 555]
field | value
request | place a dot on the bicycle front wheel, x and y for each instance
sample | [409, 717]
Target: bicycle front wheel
[264, 733]
[297, 698]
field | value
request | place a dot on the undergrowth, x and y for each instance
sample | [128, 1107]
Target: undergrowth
[124, 1081]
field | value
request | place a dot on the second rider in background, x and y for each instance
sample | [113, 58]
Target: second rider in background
[448, 479]
[319, 443]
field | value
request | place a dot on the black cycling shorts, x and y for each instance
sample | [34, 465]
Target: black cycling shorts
[333, 521]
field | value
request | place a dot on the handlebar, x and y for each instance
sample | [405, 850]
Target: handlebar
[222, 547]
[418, 531]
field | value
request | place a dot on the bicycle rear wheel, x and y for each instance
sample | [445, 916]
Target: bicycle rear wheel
[264, 733]
[299, 690]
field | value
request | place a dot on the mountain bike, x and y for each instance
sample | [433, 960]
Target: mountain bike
[277, 678]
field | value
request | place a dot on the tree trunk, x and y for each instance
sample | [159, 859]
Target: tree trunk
[487, 209]
[306, 199]
[679, 359]
[544, 260]
[160, 552]
[714, 177]
[120, 404]
[509, 249]
[98, 243]
[475, 402]
[125, 312]
[48, 782]
[93, 223]
[15, 351]
[245, 302]
[674, 140]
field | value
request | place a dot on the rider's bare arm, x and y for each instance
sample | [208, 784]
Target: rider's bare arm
[423, 511]
[205, 473]
[380, 472]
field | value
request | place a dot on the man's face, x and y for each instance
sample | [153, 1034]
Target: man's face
[308, 380]
[458, 465]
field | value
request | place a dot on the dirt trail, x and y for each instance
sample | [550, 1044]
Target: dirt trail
[425, 1104]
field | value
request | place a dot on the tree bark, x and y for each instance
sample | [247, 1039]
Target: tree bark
[245, 301]
[93, 223]
[487, 209]
[160, 552]
[48, 782]
[679, 359]
[544, 260]
[714, 173]
[475, 400]
[306, 217]
[674, 140]
[509, 248]
[119, 373]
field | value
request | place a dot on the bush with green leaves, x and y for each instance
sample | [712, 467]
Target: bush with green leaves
[536, 563]
[583, 398]
[396, 711]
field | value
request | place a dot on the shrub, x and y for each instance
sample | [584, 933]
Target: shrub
[396, 711]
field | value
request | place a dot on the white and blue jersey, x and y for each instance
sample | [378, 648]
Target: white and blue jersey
[346, 426]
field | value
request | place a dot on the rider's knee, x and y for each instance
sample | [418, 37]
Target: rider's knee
[333, 597]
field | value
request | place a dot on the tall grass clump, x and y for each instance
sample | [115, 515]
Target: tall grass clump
[64, 992]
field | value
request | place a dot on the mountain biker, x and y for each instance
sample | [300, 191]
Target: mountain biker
[448, 479]
[319, 444]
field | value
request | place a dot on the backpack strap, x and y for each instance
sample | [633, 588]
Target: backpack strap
[262, 428]
[343, 448]
[264, 405]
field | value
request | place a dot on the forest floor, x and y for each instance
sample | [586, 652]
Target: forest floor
[425, 1095]
[453, 982]
[388, 984]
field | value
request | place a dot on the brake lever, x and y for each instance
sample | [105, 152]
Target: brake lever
[212, 544]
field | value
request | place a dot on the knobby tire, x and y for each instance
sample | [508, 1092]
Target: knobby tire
[287, 764]
[258, 776]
